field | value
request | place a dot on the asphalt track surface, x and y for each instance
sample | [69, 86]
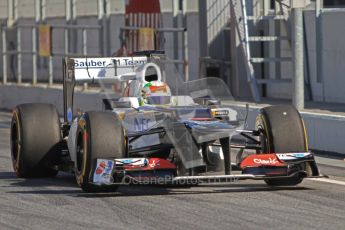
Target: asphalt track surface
[59, 204]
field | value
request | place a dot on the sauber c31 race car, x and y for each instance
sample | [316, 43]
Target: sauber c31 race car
[161, 130]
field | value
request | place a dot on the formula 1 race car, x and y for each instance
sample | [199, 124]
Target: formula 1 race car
[161, 130]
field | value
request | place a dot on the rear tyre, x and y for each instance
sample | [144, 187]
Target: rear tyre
[35, 140]
[282, 131]
[99, 135]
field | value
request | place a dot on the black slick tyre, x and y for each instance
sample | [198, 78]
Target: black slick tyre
[99, 136]
[35, 139]
[282, 131]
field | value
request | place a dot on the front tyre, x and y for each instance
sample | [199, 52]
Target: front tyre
[99, 136]
[282, 131]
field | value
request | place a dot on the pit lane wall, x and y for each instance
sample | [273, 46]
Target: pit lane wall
[326, 132]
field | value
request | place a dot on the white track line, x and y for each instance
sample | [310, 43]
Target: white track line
[328, 181]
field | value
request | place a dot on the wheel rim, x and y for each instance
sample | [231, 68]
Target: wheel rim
[14, 141]
[264, 139]
[15, 144]
[80, 152]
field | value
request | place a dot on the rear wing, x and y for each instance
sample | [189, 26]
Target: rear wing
[105, 69]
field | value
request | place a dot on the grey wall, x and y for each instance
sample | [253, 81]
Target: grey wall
[332, 55]
[3, 9]
[193, 45]
[317, 89]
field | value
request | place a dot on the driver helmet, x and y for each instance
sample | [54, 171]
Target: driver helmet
[155, 93]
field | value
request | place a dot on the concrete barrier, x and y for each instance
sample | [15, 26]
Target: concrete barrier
[12, 95]
[326, 132]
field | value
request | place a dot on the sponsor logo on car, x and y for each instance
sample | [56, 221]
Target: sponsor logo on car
[88, 63]
[161, 88]
[292, 156]
[100, 168]
[141, 124]
[131, 162]
[154, 163]
[109, 167]
[261, 160]
[81, 63]
[268, 161]
[103, 172]
[220, 112]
